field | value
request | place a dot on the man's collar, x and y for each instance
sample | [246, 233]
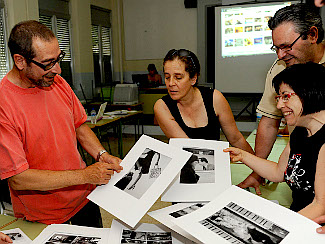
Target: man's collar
[322, 61]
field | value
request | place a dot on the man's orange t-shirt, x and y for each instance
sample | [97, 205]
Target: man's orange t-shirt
[38, 131]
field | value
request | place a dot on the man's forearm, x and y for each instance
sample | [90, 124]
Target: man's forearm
[89, 140]
[265, 137]
[45, 180]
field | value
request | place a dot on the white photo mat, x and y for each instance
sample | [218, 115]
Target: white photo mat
[77, 233]
[17, 236]
[296, 227]
[143, 233]
[165, 216]
[131, 208]
[201, 192]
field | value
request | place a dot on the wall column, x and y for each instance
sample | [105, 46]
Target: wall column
[82, 48]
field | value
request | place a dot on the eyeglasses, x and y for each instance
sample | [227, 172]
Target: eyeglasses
[285, 48]
[285, 97]
[50, 65]
[183, 53]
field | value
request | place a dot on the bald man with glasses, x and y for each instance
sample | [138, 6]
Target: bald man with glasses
[41, 122]
[297, 35]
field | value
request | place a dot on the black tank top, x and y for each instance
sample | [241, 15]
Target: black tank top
[209, 132]
[301, 169]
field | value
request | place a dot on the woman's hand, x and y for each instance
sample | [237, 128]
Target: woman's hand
[236, 154]
[320, 220]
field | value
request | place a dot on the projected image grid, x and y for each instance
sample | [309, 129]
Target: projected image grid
[245, 30]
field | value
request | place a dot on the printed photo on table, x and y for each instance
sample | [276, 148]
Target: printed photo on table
[58, 238]
[129, 236]
[186, 210]
[238, 225]
[199, 168]
[144, 173]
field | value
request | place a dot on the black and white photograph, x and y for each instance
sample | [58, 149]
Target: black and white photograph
[144, 233]
[130, 236]
[199, 168]
[186, 210]
[74, 234]
[148, 169]
[167, 215]
[204, 175]
[17, 236]
[59, 238]
[238, 216]
[239, 225]
[143, 174]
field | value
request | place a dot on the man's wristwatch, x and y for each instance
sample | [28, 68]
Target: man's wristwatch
[101, 152]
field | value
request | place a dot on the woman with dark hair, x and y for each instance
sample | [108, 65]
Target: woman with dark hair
[301, 96]
[188, 175]
[190, 111]
[154, 79]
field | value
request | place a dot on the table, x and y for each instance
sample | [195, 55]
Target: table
[136, 106]
[272, 191]
[117, 121]
[31, 229]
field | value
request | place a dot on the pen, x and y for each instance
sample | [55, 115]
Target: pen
[280, 135]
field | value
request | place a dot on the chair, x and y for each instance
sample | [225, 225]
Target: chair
[4, 196]
[106, 93]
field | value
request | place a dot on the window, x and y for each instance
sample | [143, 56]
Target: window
[102, 54]
[101, 46]
[3, 46]
[55, 15]
[61, 29]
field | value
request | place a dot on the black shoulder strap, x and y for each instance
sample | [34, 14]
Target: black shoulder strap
[172, 106]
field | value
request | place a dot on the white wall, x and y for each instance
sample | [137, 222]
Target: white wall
[152, 27]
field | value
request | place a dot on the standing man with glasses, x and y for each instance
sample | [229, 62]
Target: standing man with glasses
[41, 121]
[297, 35]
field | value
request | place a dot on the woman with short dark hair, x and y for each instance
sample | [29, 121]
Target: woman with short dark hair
[301, 98]
[190, 111]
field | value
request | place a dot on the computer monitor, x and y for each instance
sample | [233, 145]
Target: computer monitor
[126, 94]
[140, 79]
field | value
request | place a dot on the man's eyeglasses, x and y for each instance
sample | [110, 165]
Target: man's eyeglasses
[285, 97]
[50, 65]
[285, 48]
